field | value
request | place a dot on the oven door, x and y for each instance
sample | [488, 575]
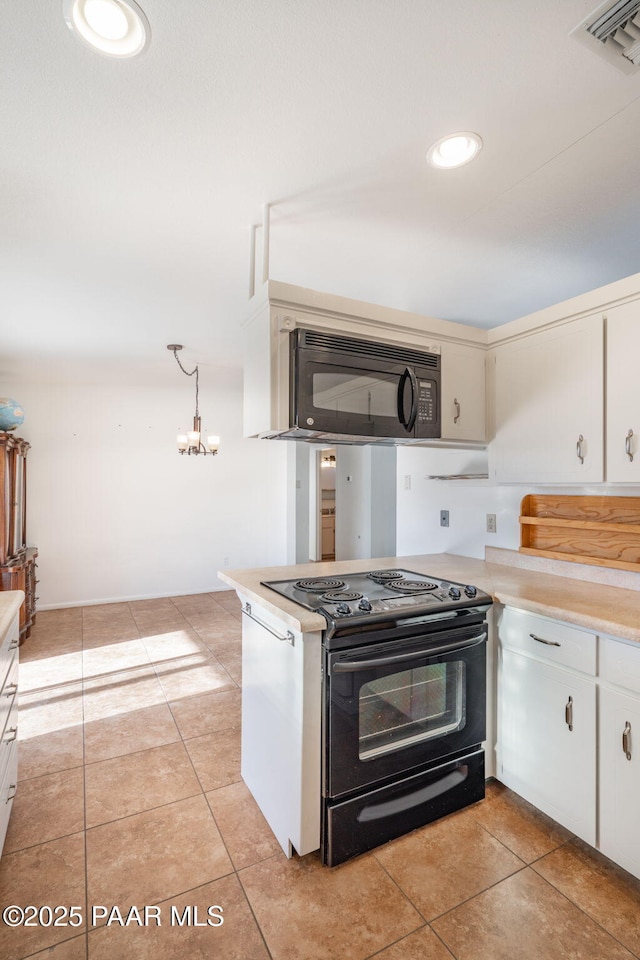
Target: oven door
[396, 706]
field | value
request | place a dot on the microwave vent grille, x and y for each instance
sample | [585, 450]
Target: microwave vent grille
[367, 348]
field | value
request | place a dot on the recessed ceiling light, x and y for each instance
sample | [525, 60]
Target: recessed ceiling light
[117, 28]
[454, 150]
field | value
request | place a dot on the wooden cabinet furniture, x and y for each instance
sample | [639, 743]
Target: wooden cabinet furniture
[17, 561]
[547, 718]
[9, 642]
[328, 536]
[549, 405]
[623, 393]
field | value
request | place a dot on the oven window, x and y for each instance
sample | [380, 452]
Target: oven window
[401, 709]
[369, 395]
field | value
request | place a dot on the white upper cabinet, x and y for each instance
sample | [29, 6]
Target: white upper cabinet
[463, 404]
[549, 405]
[623, 393]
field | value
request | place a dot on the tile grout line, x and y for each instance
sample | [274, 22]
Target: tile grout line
[584, 913]
[255, 919]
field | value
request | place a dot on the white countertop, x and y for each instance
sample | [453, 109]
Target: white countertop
[599, 607]
[10, 603]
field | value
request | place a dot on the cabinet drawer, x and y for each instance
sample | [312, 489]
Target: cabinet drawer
[8, 694]
[547, 639]
[8, 787]
[8, 649]
[620, 663]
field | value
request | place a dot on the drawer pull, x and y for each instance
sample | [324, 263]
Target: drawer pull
[14, 731]
[456, 404]
[11, 690]
[579, 451]
[568, 714]
[548, 643]
[626, 740]
[14, 643]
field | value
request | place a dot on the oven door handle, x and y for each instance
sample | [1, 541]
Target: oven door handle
[351, 666]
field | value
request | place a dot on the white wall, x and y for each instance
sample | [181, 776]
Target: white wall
[365, 501]
[118, 514]
[468, 502]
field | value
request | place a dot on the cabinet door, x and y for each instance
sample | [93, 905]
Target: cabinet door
[549, 395]
[463, 401]
[620, 778]
[623, 394]
[281, 705]
[547, 740]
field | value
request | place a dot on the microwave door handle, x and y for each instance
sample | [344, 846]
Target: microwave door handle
[352, 666]
[411, 377]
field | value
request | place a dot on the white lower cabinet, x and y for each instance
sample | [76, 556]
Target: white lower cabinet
[619, 765]
[547, 740]
[281, 706]
[587, 778]
[8, 724]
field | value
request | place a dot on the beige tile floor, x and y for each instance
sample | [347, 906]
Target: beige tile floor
[130, 795]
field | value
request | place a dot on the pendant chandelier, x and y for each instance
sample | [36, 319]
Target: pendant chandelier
[191, 442]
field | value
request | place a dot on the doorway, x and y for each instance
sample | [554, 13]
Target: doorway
[326, 504]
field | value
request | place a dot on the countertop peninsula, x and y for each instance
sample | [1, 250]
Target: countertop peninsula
[596, 606]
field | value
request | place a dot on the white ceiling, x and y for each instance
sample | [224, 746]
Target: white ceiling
[128, 188]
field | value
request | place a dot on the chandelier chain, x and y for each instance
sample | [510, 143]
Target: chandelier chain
[190, 374]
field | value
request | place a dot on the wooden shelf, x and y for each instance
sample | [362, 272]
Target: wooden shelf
[604, 531]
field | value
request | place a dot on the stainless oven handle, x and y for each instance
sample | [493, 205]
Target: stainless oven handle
[351, 666]
[289, 638]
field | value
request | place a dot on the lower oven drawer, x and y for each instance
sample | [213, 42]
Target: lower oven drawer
[352, 826]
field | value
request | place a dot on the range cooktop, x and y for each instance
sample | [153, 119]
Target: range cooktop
[378, 595]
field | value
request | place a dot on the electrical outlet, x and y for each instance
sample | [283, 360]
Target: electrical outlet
[407, 481]
[444, 518]
[225, 561]
[491, 523]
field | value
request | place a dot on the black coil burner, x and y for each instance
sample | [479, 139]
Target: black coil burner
[412, 586]
[384, 576]
[319, 585]
[341, 596]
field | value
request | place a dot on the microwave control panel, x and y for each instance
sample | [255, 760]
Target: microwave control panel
[427, 405]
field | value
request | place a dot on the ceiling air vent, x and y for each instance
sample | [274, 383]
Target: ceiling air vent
[613, 31]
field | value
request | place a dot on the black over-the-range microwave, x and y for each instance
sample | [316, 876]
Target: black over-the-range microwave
[350, 389]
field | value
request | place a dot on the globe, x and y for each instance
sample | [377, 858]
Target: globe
[11, 414]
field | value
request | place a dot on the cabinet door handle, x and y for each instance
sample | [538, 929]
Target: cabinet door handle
[568, 713]
[548, 643]
[12, 792]
[9, 739]
[456, 404]
[11, 690]
[290, 636]
[627, 445]
[579, 453]
[626, 740]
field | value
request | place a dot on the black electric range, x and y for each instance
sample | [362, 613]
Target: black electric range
[359, 601]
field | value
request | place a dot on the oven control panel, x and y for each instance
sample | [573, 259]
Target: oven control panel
[417, 603]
